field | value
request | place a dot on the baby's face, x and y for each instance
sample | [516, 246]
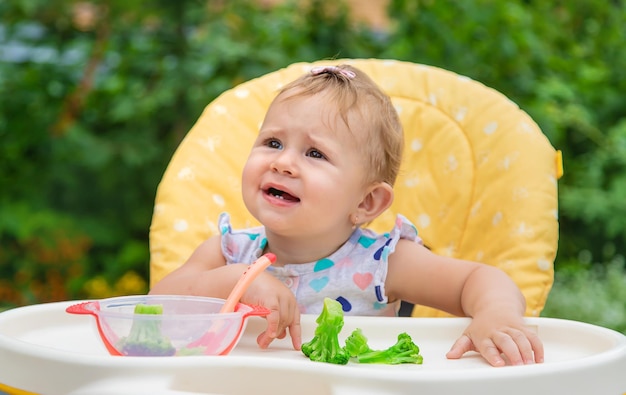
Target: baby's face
[305, 174]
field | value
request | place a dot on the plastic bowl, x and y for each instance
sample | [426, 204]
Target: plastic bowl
[188, 325]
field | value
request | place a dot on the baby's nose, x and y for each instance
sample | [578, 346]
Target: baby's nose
[284, 164]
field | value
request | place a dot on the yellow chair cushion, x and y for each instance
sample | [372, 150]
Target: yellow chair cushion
[479, 178]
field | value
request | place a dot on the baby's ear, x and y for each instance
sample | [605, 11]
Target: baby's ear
[377, 199]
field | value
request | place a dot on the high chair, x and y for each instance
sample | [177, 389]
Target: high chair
[479, 178]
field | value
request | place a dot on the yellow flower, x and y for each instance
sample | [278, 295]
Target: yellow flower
[97, 288]
[131, 283]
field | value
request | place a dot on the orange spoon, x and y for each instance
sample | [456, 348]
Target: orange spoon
[244, 281]
[211, 339]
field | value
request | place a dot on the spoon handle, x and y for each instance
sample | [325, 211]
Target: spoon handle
[244, 281]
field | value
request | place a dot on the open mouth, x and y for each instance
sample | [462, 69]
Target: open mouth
[277, 193]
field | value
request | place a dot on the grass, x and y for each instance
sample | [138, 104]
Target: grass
[596, 295]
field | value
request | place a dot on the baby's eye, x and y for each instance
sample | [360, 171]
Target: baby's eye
[313, 153]
[273, 143]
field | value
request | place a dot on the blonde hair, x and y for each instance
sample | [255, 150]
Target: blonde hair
[349, 89]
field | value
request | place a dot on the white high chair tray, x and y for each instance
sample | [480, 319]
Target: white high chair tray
[45, 350]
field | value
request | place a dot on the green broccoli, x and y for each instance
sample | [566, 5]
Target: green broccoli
[324, 347]
[404, 351]
[356, 343]
[145, 337]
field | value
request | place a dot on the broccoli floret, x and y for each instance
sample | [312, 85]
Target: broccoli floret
[145, 337]
[186, 351]
[324, 347]
[356, 343]
[404, 351]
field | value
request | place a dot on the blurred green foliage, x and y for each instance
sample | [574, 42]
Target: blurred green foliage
[96, 95]
[594, 295]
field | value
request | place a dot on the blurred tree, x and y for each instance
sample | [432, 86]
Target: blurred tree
[562, 62]
[97, 95]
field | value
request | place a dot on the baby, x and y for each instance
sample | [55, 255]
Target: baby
[323, 165]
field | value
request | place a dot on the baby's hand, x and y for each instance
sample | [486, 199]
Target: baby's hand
[493, 336]
[269, 292]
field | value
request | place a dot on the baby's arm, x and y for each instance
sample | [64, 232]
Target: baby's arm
[466, 288]
[206, 274]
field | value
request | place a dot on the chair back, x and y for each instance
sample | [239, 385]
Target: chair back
[478, 179]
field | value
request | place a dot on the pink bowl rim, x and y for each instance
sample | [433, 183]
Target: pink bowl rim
[135, 299]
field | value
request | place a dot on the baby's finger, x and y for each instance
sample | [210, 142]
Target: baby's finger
[285, 318]
[536, 344]
[462, 345]
[271, 331]
[295, 330]
[491, 352]
[273, 324]
[263, 340]
[524, 347]
[513, 345]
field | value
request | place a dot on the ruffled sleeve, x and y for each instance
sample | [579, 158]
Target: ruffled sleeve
[240, 246]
